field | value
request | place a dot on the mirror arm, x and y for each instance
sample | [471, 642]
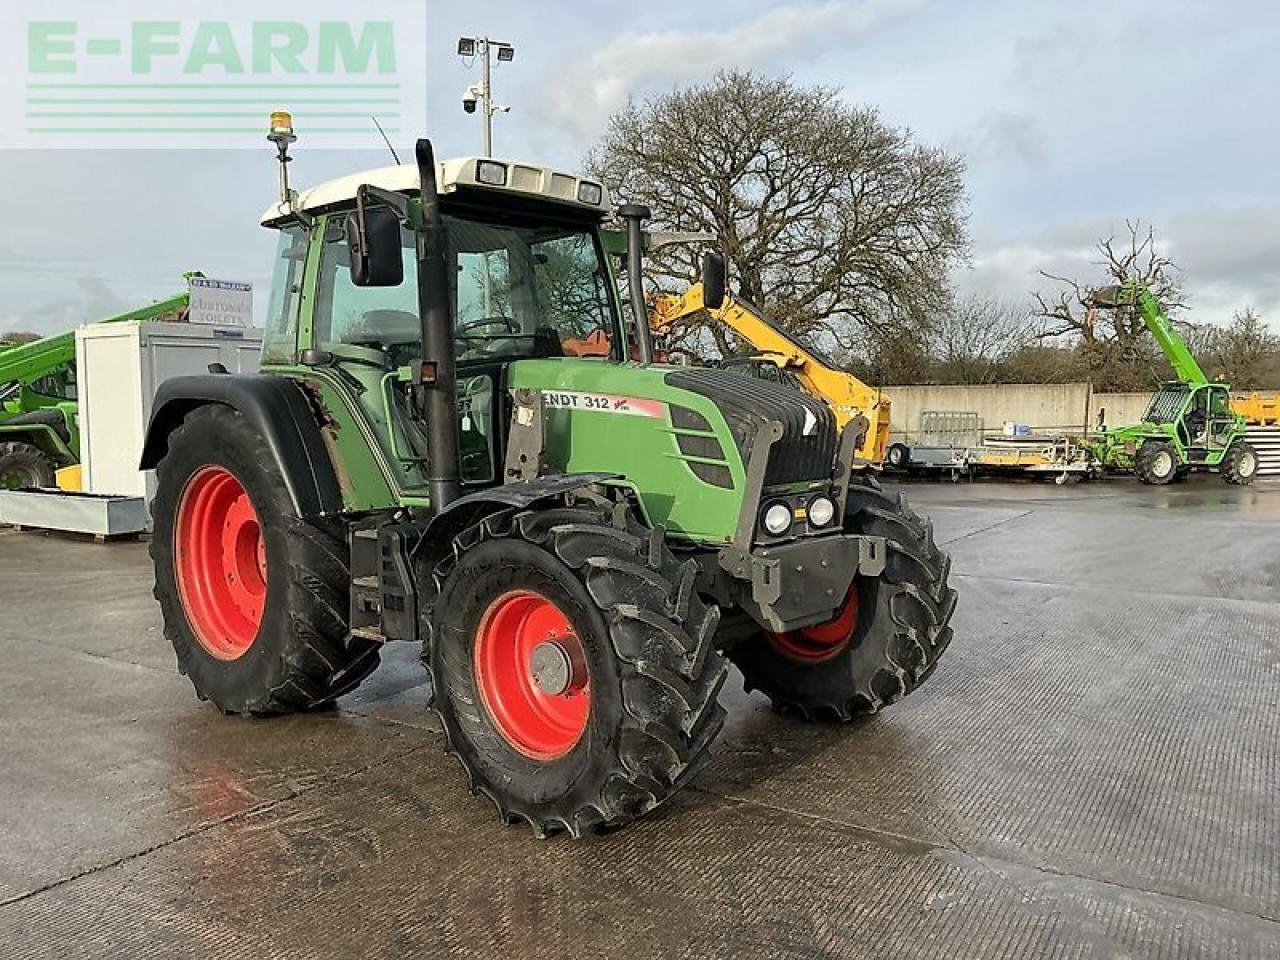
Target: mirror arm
[396, 201]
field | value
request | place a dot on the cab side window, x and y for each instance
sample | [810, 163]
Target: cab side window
[370, 318]
[279, 341]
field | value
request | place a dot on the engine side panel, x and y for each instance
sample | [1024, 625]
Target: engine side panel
[671, 445]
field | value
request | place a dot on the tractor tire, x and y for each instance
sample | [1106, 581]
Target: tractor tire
[883, 642]
[255, 600]
[572, 666]
[898, 456]
[1157, 462]
[23, 466]
[1240, 464]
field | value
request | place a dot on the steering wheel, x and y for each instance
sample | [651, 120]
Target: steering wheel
[507, 325]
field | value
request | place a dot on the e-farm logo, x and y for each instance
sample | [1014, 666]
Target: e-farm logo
[134, 76]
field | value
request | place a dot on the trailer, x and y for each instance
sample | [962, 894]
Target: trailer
[955, 444]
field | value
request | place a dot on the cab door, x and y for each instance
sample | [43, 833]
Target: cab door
[1221, 421]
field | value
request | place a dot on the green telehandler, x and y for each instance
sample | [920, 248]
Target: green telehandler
[577, 542]
[39, 426]
[1189, 424]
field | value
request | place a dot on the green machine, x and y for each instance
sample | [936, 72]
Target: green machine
[578, 542]
[1189, 424]
[39, 427]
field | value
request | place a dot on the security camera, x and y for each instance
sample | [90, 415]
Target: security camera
[469, 98]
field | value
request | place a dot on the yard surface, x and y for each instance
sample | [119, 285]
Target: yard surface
[1093, 771]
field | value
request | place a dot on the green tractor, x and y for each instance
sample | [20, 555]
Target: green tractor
[39, 426]
[578, 542]
[1189, 424]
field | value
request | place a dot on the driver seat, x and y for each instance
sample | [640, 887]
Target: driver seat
[384, 328]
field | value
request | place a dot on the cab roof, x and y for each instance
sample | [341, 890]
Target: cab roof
[465, 173]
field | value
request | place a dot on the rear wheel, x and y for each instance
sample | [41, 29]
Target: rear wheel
[883, 641]
[254, 599]
[1157, 462]
[1240, 464]
[898, 456]
[23, 465]
[572, 666]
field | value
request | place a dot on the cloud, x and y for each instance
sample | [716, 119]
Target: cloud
[999, 137]
[581, 97]
[1229, 258]
[87, 300]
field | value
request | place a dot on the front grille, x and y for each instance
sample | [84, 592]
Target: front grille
[748, 405]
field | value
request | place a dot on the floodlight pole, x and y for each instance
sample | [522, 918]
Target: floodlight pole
[488, 98]
[484, 46]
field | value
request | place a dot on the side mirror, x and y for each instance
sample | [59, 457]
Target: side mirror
[373, 239]
[713, 277]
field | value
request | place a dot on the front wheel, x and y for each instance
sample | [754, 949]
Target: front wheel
[254, 599]
[23, 466]
[1157, 462]
[884, 640]
[1240, 464]
[898, 456]
[572, 667]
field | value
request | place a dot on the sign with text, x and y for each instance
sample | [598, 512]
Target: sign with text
[224, 303]
[87, 74]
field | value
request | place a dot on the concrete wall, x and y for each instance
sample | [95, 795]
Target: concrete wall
[1048, 408]
[1122, 408]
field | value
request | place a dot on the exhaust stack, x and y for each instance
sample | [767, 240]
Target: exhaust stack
[436, 376]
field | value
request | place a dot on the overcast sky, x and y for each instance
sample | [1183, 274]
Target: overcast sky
[1073, 117]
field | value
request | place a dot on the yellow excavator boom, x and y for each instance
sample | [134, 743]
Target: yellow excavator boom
[847, 396]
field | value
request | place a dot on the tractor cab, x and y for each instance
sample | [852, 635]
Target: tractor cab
[1199, 416]
[527, 279]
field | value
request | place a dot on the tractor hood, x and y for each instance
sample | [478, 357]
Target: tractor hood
[700, 446]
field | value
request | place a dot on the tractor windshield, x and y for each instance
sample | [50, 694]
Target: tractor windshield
[534, 289]
[1166, 404]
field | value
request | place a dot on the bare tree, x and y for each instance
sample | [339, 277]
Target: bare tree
[18, 336]
[1112, 340]
[971, 342]
[1244, 354]
[830, 220]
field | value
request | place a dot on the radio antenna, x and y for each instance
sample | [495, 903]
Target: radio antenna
[395, 156]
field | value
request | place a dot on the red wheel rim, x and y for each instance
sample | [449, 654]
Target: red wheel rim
[220, 562]
[532, 672]
[822, 641]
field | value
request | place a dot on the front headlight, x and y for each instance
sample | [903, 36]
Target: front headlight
[777, 519]
[821, 511]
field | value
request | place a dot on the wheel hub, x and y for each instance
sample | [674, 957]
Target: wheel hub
[220, 562]
[551, 668]
[532, 675]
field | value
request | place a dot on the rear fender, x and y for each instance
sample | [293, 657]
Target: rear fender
[278, 409]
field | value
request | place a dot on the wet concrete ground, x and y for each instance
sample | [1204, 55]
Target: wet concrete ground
[1092, 772]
